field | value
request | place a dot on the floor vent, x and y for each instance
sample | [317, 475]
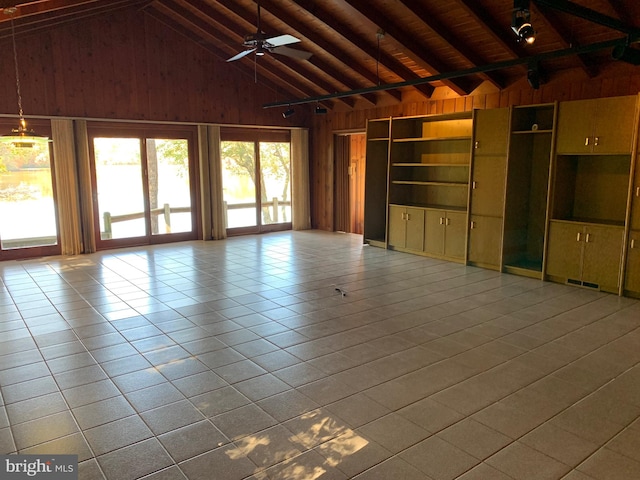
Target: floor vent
[579, 283]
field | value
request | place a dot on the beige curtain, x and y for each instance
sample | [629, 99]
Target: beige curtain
[213, 214]
[301, 202]
[66, 182]
[85, 193]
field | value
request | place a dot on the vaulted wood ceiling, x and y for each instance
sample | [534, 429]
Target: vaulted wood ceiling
[358, 45]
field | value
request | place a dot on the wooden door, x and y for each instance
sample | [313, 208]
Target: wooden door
[602, 256]
[614, 122]
[414, 239]
[397, 226]
[488, 185]
[635, 200]
[564, 253]
[632, 274]
[434, 232]
[455, 234]
[575, 126]
[485, 239]
[491, 131]
[356, 183]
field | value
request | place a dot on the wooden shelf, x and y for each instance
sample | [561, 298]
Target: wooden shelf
[530, 132]
[380, 139]
[444, 165]
[429, 139]
[437, 184]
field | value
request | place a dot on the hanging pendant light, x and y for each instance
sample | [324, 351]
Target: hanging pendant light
[21, 137]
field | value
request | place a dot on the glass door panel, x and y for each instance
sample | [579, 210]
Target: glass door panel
[120, 193]
[239, 185]
[27, 206]
[169, 185]
[275, 178]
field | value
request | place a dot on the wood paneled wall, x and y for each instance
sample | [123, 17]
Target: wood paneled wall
[130, 66]
[616, 80]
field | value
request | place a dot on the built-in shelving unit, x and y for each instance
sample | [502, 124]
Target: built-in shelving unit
[376, 178]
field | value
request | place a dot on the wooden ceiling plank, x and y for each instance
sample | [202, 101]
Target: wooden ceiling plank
[434, 65]
[195, 11]
[387, 61]
[446, 34]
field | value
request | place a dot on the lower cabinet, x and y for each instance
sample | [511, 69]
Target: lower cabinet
[445, 233]
[585, 254]
[406, 227]
[485, 239]
[632, 273]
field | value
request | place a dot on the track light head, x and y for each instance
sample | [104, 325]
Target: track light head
[626, 54]
[521, 22]
[533, 77]
[288, 113]
[320, 110]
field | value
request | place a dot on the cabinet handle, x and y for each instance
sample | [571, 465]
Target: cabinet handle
[637, 191]
[447, 221]
[441, 221]
[476, 145]
[402, 216]
[596, 141]
[408, 217]
[473, 225]
[587, 238]
[633, 243]
[578, 237]
[586, 141]
[474, 185]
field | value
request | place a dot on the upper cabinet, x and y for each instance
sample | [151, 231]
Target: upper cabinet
[598, 126]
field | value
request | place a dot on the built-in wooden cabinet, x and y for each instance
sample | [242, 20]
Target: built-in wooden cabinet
[585, 254]
[406, 228]
[445, 233]
[375, 188]
[527, 191]
[489, 165]
[540, 190]
[597, 126]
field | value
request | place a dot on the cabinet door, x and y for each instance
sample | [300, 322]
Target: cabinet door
[602, 256]
[635, 202]
[415, 229]
[491, 131]
[485, 238]
[434, 232]
[614, 121]
[488, 185]
[632, 275]
[397, 226]
[564, 253]
[455, 240]
[575, 126]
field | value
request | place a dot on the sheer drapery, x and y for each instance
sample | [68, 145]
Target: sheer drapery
[301, 202]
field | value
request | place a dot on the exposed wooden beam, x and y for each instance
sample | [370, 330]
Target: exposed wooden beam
[206, 18]
[423, 56]
[386, 61]
[461, 47]
[555, 26]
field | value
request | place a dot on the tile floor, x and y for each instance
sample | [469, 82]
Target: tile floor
[240, 359]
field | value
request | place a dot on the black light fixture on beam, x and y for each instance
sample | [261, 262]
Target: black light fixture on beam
[288, 113]
[521, 22]
[320, 110]
[533, 75]
[626, 53]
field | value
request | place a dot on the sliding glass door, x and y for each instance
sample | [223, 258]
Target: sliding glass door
[256, 181]
[28, 217]
[143, 187]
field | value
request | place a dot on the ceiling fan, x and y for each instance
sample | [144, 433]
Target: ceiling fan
[261, 43]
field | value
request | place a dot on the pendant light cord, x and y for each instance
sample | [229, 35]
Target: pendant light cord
[15, 62]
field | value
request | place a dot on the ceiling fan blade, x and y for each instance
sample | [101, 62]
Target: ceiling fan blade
[292, 52]
[241, 54]
[282, 40]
